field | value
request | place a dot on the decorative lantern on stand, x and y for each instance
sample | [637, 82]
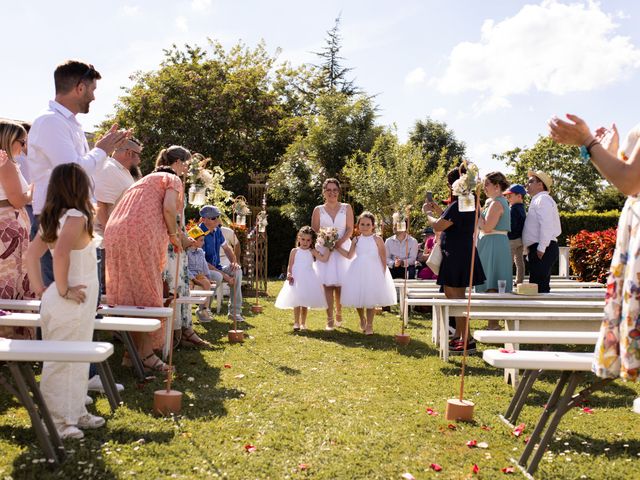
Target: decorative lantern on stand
[240, 211]
[260, 263]
[198, 176]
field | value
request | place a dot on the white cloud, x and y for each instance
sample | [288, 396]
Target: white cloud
[481, 152]
[438, 113]
[550, 47]
[490, 104]
[415, 76]
[201, 5]
[130, 10]
[181, 24]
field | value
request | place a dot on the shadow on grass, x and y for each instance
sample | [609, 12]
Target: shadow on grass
[352, 339]
[615, 395]
[596, 447]
[280, 368]
[79, 453]
[455, 363]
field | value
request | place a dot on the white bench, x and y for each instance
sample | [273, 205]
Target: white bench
[511, 340]
[573, 365]
[138, 322]
[19, 354]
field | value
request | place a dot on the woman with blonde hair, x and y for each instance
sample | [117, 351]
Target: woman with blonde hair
[14, 221]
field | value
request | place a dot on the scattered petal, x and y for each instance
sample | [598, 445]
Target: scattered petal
[408, 476]
[519, 429]
[432, 412]
[508, 470]
[451, 426]
[482, 445]
[435, 467]
[587, 410]
[191, 379]
[472, 443]
[507, 350]
[250, 448]
[475, 468]
[486, 427]
[303, 466]
[240, 375]
[227, 365]
[332, 400]
[526, 440]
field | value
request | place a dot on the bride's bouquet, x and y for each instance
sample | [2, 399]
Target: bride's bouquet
[327, 238]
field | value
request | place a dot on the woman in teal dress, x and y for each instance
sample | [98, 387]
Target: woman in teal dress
[493, 243]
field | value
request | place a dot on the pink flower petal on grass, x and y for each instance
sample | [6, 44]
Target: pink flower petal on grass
[519, 429]
[432, 412]
[508, 470]
[303, 466]
[436, 467]
[250, 448]
[486, 427]
[587, 410]
[475, 468]
[451, 426]
[408, 476]
[472, 443]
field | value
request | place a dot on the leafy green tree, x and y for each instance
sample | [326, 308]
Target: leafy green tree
[230, 106]
[393, 176]
[575, 185]
[609, 198]
[332, 75]
[438, 143]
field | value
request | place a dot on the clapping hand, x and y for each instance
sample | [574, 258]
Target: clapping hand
[573, 132]
[113, 139]
[609, 138]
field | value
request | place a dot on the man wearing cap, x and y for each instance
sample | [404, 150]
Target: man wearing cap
[541, 230]
[514, 195]
[232, 273]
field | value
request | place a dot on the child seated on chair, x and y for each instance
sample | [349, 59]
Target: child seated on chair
[199, 270]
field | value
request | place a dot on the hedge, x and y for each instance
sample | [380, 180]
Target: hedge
[573, 223]
[281, 235]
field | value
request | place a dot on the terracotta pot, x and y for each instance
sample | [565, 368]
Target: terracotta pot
[236, 336]
[167, 402]
[256, 308]
[459, 410]
[403, 339]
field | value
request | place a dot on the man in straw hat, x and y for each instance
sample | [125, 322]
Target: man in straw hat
[541, 230]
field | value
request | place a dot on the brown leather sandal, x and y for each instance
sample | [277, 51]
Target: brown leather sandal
[192, 340]
[156, 364]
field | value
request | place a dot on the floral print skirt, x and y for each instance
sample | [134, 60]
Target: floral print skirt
[617, 352]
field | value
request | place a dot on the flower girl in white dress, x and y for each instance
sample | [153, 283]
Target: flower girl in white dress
[367, 283]
[303, 288]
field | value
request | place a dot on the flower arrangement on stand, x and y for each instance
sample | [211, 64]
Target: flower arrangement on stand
[240, 210]
[200, 179]
[464, 187]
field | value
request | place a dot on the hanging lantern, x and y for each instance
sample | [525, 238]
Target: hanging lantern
[197, 195]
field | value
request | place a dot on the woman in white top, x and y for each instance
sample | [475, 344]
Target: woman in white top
[14, 221]
[339, 215]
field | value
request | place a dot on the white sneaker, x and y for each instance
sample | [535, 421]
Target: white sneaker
[239, 318]
[88, 400]
[204, 316]
[95, 385]
[70, 431]
[90, 421]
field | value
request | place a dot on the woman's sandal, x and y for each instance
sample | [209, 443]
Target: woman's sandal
[156, 365]
[192, 340]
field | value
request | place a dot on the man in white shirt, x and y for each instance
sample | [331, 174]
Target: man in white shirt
[402, 251]
[56, 137]
[231, 239]
[541, 230]
[114, 178]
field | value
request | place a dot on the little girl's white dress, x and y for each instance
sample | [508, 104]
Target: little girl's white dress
[368, 283]
[307, 290]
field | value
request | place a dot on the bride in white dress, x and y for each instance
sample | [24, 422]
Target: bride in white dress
[333, 213]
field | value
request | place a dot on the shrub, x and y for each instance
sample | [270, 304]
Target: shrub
[573, 223]
[281, 235]
[590, 254]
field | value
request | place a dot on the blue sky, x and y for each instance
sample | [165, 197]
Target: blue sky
[494, 70]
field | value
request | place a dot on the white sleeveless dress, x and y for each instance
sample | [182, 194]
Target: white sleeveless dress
[367, 282]
[332, 271]
[64, 385]
[306, 290]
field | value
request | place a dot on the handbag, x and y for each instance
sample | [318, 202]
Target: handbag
[435, 259]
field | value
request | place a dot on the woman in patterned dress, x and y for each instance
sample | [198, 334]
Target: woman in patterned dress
[617, 352]
[14, 222]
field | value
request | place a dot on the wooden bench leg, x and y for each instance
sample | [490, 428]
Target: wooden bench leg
[109, 384]
[47, 437]
[136, 361]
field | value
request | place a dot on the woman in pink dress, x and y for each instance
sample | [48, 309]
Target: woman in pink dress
[136, 238]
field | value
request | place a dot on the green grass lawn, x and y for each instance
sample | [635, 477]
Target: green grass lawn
[325, 405]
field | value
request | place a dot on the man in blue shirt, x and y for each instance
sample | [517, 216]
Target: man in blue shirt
[514, 195]
[232, 273]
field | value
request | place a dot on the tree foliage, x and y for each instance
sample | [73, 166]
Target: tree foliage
[231, 106]
[575, 184]
[438, 143]
[393, 176]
